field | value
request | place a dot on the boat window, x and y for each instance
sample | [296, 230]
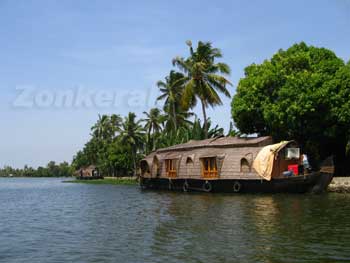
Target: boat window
[170, 168]
[189, 160]
[209, 167]
[245, 166]
[292, 153]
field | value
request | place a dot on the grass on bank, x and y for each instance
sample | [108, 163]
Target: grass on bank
[108, 180]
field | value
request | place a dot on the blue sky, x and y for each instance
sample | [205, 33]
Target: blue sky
[125, 47]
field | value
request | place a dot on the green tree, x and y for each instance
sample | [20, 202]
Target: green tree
[119, 158]
[132, 134]
[171, 90]
[203, 78]
[52, 169]
[300, 93]
[80, 159]
[102, 127]
[194, 131]
[153, 126]
[200, 132]
[104, 132]
[109, 148]
[116, 121]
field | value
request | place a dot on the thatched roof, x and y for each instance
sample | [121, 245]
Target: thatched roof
[220, 142]
[89, 168]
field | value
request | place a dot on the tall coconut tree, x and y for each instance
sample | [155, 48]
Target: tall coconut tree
[106, 127]
[101, 128]
[116, 121]
[102, 135]
[132, 134]
[204, 78]
[171, 90]
[153, 125]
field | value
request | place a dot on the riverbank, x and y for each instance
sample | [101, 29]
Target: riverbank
[340, 185]
[108, 180]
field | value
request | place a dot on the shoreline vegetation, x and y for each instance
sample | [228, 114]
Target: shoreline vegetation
[107, 180]
[52, 169]
[301, 93]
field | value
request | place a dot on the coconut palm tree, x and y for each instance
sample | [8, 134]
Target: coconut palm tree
[132, 135]
[203, 78]
[153, 120]
[101, 127]
[106, 127]
[96, 147]
[116, 121]
[197, 130]
[171, 90]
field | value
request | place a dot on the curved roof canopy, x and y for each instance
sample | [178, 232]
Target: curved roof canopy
[220, 142]
[263, 163]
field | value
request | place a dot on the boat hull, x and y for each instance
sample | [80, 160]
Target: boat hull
[314, 182]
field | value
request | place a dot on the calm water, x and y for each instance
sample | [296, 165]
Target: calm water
[44, 220]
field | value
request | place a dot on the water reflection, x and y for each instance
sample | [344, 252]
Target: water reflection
[251, 228]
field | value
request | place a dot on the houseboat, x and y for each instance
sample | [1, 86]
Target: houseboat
[232, 164]
[88, 173]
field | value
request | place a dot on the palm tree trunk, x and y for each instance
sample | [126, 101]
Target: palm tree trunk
[205, 120]
[174, 117]
[149, 140]
[134, 159]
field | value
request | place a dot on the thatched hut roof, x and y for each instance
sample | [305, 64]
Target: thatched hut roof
[220, 142]
[85, 169]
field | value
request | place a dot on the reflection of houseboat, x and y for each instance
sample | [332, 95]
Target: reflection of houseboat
[88, 173]
[231, 164]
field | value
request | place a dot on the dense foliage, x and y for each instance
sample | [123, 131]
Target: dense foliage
[118, 152]
[116, 144]
[301, 93]
[51, 170]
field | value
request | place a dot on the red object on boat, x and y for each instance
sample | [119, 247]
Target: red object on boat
[293, 168]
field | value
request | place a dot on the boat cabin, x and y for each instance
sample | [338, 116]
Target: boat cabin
[88, 172]
[225, 158]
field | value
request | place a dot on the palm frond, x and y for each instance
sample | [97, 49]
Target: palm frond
[219, 83]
